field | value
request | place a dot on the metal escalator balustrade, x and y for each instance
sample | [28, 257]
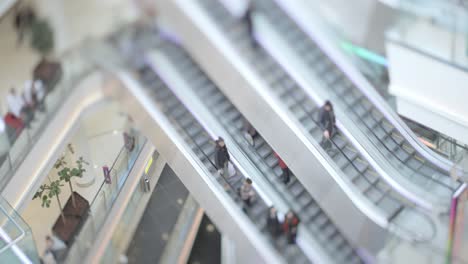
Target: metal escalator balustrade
[279, 49]
[202, 145]
[347, 158]
[317, 30]
[388, 140]
[311, 215]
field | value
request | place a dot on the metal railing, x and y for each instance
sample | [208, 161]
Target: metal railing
[104, 200]
[75, 69]
[457, 214]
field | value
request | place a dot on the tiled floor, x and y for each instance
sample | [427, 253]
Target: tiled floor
[158, 220]
[207, 246]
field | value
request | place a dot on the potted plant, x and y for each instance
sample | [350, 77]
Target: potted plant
[67, 173]
[76, 209]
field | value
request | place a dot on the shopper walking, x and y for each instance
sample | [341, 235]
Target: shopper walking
[273, 224]
[247, 192]
[286, 175]
[327, 123]
[222, 157]
[290, 227]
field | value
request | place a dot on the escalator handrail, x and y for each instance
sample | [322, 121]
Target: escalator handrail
[234, 135]
[342, 62]
[134, 88]
[394, 228]
[300, 80]
[211, 29]
[372, 131]
[199, 148]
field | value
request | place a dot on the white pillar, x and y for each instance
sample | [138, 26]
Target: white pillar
[81, 149]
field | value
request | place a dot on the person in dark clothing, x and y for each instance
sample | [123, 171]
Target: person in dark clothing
[222, 157]
[327, 123]
[248, 17]
[273, 224]
[24, 19]
[249, 132]
[286, 176]
[290, 227]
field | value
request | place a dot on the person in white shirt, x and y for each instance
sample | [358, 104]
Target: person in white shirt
[34, 94]
[15, 103]
[28, 94]
[38, 86]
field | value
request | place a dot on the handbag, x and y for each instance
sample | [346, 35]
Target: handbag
[231, 170]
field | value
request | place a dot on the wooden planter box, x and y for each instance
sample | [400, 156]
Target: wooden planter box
[49, 73]
[75, 218]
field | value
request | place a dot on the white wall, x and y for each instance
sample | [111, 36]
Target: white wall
[429, 91]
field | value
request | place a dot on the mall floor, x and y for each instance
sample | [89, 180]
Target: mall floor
[207, 246]
[158, 220]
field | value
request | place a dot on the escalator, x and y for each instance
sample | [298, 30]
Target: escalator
[390, 142]
[201, 144]
[313, 218]
[357, 177]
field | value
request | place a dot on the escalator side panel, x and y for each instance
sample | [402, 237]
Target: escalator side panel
[283, 134]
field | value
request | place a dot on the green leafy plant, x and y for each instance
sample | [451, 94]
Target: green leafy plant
[47, 191]
[67, 173]
[42, 36]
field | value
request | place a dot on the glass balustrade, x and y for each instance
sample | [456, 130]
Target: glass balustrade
[74, 69]
[438, 29]
[16, 240]
[104, 200]
[127, 222]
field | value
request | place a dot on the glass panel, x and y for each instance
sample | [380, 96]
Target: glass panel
[75, 68]
[422, 22]
[117, 244]
[16, 240]
[104, 200]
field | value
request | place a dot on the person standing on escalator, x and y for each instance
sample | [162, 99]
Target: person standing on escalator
[327, 123]
[290, 224]
[249, 19]
[247, 192]
[286, 175]
[222, 157]
[249, 133]
[273, 224]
